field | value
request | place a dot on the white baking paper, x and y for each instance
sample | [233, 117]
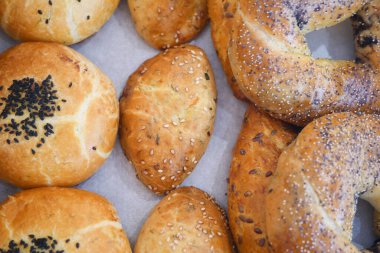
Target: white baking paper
[118, 51]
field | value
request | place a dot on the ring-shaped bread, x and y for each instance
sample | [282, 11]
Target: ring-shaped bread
[275, 70]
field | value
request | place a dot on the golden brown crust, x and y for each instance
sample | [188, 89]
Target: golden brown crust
[66, 21]
[260, 143]
[167, 116]
[78, 221]
[187, 220]
[221, 14]
[312, 198]
[166, 23]
[275, 70]
[71, 112]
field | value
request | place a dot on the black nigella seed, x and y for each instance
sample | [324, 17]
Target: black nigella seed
[39, 12]
[9, 141]
[33, 151]
[93, 148]
[77, 245]
[207, 76]
[34, 102]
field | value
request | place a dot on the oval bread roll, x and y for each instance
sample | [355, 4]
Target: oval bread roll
[58, 220]
[167, 116]
[58, 116]
[63, 21]
[255, 157]
[166, 23]
[187, 220]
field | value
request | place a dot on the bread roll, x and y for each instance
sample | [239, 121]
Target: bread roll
[187, 220]
[67, 22]
[58, 220]
[166, 23]
[255, 157]
[221, 14]
[167, 116]
[59, 116]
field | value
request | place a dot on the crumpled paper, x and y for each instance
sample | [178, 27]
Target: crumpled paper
[118, 51]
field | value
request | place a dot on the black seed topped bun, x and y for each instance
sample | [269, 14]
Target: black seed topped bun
[59, 220]
[66, 22]
[59, 116]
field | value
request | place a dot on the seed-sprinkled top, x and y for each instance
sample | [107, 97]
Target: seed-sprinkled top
[167, 116]
[187, 220]
[34, 244]
[274, 67]
[312, 199]
[27, 103]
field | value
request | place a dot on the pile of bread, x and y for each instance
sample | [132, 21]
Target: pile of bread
[308, 149]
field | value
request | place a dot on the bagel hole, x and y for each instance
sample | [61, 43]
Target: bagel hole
[336, 42]
[363, 234]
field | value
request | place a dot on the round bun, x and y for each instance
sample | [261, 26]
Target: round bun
[166, 23]
[187, 220]
[59, 116]
[66, 22]
[275, 69]
[255, 157]
[167, 116]
[60, 220]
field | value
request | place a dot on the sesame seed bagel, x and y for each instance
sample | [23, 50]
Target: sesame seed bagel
[167, 116]
[59, 220]
[167, 23]
[274, 67]
[187, 220]
[59, 116]
[221, 14]
[311, 201]
[255, 157]
[63, 21]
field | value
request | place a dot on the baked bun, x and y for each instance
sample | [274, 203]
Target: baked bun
[254, 162]
[221, 14]
[66, 22]
[312, 198]
[57, 220]
[59, 116]
[166, 23]
[167, 116]
[275, 69]
[187, 220]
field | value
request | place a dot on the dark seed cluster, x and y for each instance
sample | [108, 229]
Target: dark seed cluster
[27, 103]
[35, 245]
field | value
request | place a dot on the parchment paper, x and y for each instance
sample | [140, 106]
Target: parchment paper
[118, 51]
